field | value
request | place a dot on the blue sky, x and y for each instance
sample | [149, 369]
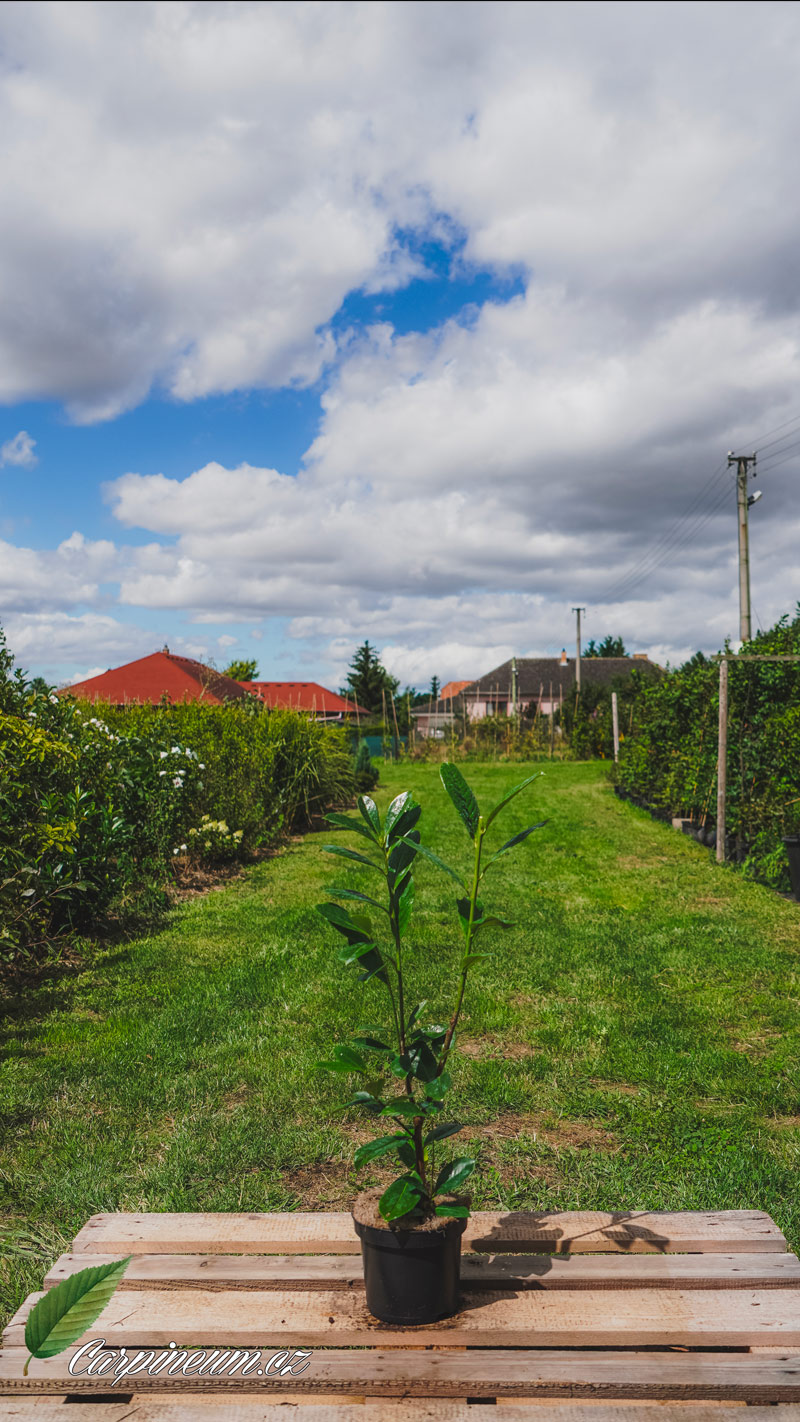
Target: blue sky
[392, 325]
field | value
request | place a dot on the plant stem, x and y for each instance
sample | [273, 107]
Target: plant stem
[476, 879]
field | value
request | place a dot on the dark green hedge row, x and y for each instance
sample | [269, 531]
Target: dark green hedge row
[100, 805]
[669, 761]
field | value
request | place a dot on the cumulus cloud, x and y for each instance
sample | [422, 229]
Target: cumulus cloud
[203, 240]
[468, 482]
[19, 450]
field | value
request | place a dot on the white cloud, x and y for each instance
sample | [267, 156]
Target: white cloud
[469, 483]
[19, 450]
[204, 240]
[33, 580]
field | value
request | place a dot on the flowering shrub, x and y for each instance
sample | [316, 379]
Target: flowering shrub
[212, 840]
[94, 800]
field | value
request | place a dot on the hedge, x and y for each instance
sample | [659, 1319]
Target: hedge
[99, 805]
[669, 761]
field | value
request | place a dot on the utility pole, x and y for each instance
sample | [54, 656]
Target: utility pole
[578, 610]
[743, 502]
[722, 760]
[615, 724]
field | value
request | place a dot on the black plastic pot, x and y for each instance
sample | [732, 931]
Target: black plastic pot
[410, 1275]
[792, 843]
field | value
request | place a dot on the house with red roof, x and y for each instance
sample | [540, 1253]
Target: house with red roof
[308, 696]
[162, 674]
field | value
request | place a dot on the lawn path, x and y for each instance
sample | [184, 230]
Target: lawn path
[633, 1042]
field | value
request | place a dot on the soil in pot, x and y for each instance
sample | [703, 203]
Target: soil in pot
[411, 1271]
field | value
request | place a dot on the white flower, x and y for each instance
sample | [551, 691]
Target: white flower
[176, 750]
[201, 766]
[176, 851]
[162, 755]
[178, 783]
[161, 772]
[183, 846]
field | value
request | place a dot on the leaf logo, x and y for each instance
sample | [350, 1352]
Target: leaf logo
[64, 1313]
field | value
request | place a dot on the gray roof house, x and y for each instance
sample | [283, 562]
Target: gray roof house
[541, 682]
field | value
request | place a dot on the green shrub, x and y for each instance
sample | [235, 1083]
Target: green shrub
[366, 774]
[669, 761]
[96, 801]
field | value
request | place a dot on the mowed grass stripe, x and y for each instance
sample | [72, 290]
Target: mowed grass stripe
[632, 1043]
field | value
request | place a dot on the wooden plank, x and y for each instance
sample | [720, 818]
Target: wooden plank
[428, 1373]
[544, 1318]
[478, 1271]
[637, 1231]
[44, 1409]
[442, 1410]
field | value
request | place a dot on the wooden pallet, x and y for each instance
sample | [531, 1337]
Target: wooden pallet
[614, 1312]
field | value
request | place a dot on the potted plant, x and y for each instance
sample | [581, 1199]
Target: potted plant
[411, 1231]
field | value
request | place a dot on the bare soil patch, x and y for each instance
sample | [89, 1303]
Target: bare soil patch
[784, 1123]
[482, 1048]
[623, 1088]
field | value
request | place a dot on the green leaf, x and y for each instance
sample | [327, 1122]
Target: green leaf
[406, 822]
[372, 1044]
[424, 1063]
[374, 967]
[355, 927]
[353, 894]
[380, 1146]
[402, 1106]
[400, 1197]
[415, 1015]
[439, 1087]
[405, 903]
[336, 915]
[510, 796]
[355, 826]
[458, 1212]
[367, 1100]
[463, 907]
[453, 1175]
[440, 864]
[472, 958]
[353, 1060]
[350, 854]
[369, 810]
[66, 1311]
[396, 810]
[407, 1154]
[352, 952]
[402, 857]
[440, 1133]
[461, 796]
[518, 838]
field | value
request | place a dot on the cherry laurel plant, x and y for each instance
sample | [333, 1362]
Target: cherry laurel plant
[404, 1070]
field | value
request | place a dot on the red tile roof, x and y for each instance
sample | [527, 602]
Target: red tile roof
[304, 696]
[160, 674]
[452, 689]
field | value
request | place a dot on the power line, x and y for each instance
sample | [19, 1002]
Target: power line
[681, 540]
[676, 534]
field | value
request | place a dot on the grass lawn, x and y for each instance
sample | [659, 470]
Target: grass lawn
[632, 1043]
